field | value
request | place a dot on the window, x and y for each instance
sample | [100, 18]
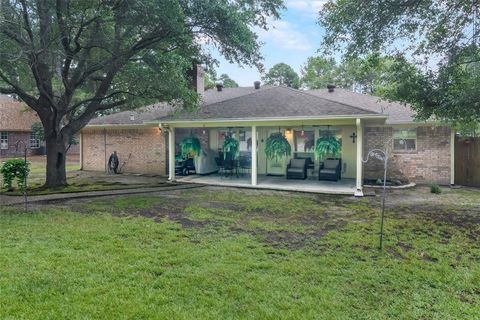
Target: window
[304, 141]
[245, 141]
[405, 139]
[34, 141]
[3, 140]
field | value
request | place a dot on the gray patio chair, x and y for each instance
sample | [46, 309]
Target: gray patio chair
[297, 169]
[330, 169]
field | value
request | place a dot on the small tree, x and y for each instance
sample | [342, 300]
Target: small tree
[228, 82]
[282, 74]
[319, 72]
[14, 169]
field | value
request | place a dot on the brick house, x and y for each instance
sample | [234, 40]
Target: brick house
[16, 121]
[147, 140]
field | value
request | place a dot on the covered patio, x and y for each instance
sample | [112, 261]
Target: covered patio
[300, 119]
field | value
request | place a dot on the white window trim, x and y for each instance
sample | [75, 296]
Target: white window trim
[405, 150]
[4, 141]
[37, 142]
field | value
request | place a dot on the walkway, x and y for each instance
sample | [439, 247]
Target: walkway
[19, 200]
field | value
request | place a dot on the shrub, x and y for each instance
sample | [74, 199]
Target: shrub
[14, 168]
[434, 188]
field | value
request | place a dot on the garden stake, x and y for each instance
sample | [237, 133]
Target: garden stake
[25, 197]
[382, 155]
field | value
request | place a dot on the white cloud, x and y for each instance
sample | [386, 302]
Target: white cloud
[311, 7]
[285, 35]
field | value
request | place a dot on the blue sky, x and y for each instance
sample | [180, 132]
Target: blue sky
[292, 39]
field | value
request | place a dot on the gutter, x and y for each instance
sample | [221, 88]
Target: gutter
[242, 120]
[122, 126]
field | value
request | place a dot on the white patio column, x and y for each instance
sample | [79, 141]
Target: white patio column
[452, 157]
[254, 155]
[359, 182]
[171, 154]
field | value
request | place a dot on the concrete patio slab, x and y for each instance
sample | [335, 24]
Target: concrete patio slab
[342, 187]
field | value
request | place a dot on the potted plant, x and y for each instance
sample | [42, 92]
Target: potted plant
[230, 148]
[327, 145]
[277, 146]
[190, 147]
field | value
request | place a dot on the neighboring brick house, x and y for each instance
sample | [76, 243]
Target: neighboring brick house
[16, 121]
[422, 152]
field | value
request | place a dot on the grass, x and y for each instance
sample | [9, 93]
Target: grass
[78, 181]
[217, 254]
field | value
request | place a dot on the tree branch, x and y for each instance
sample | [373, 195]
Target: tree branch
[15, 89]
[111, 95]
[7, 90]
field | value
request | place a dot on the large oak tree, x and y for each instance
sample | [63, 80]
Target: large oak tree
[442, 35]
[69, 60]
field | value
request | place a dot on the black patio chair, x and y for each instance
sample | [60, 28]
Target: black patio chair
[330, 169]
[245, 164]
[297, 169]
[220, 165]
[230, 167]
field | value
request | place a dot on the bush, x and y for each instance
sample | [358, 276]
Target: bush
[15, 168]
[434, 188]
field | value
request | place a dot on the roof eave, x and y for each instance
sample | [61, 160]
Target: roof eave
[272, 119]
[122, 126]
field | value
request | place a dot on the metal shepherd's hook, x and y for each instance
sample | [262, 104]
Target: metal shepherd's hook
[25, 149]
[381, 155]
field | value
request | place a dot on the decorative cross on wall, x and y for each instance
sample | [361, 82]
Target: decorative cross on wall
[354, 137]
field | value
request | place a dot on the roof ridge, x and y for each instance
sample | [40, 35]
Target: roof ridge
[345, 104]
[266, 88]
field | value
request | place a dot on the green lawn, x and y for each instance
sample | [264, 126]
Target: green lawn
[78, 181]
[216, 253]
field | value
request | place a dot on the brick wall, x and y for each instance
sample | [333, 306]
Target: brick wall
[13, 137]
[143, 149]
[429, 163]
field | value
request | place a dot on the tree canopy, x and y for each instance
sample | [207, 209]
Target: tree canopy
[318, 72]
[282, 74]
[68, 60]
[441, 36]
[227, 81]
[373, 74]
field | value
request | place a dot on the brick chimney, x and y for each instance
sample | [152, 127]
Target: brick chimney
[197, 78]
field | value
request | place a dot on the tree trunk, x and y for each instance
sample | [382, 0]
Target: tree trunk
[56, 160]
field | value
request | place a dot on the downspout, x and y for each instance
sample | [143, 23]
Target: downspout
[81, 150]
[105, 147]
[171, 152]
[167, 163]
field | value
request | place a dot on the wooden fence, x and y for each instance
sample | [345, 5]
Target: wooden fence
[467, 162]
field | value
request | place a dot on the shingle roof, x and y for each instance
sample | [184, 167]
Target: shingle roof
[15, 115]
[133, 117]
[397, 112]
[152, 112]
[268, 102]
[271, 102]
